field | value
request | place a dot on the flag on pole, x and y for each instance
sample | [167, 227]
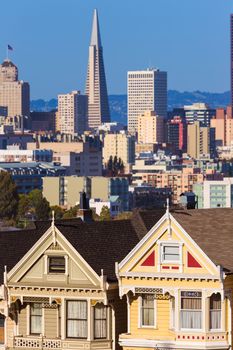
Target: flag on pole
[9, 47]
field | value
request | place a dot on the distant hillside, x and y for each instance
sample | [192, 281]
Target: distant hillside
[118, 103]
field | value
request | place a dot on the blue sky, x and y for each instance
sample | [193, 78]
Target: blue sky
[189, 39]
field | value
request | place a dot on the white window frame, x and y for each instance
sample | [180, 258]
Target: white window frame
[203, 311]
[220, 329]
[172, 312]
[54, 254]
[140, 325]
[29, 315]
[163, 244]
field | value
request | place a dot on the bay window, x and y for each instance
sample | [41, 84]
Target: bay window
[147, 310]
[76, 325]
[100, 321]
[35, 318]
[191, 310]
[215, 311]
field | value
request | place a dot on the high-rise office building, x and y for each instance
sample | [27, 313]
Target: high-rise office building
[96, 87]
[14, 94]
[231, 59]
[72, 113]
[147, 91]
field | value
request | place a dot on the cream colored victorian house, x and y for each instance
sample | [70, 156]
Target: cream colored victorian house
[60, 290]
[178, 281]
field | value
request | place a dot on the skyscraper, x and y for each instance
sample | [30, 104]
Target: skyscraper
[96, 87]
[147, 91]
[232, 59]
[14, 94]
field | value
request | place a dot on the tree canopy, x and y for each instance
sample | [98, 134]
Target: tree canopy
[8, 197]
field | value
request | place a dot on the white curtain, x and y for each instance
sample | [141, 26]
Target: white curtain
[100, 321]
[191, 319]
[36, 318]
[215, 311]
[77, 319]
[191, 313]
[147, 310]
[215, 319]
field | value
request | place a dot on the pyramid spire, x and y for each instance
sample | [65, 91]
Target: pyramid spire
[95, 35]
[96, 87]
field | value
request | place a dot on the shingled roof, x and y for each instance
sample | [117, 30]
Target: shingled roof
[101, 244]
[211, 229]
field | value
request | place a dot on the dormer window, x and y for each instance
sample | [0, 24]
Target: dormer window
[57, 264]
[170, 253]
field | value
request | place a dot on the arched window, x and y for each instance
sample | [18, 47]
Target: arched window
[215, 311]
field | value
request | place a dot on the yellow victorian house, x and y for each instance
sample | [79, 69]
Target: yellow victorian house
[178, 281]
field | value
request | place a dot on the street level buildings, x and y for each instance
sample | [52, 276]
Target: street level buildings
[65, 190]
[120, 145]
[214, 194]
[96, 87]
[147, 91]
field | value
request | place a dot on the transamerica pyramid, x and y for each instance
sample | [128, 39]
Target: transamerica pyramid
[96, 87]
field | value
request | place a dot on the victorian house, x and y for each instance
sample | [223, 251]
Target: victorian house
[59, 288]
[178, 281]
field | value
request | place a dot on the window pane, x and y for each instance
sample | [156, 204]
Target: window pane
[171, 253]
[36, 318]
[77, 319]
[76, 329]
[147, 310]
[100, 318]
[57, 264]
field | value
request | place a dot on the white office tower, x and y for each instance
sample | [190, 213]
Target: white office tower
[72, 113]
[147, 91]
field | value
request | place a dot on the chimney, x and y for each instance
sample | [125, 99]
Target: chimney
[84, 211]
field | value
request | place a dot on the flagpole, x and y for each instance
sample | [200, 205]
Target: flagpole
[7, 52]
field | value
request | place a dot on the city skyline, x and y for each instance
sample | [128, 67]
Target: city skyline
[196, 58]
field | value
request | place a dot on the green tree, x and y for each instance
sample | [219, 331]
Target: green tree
[39, 205]
[71, 213]
[58, 211]
[8, 197]
[24, 206]
[105, 214]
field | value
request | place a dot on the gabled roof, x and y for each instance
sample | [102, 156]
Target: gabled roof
[101, 244]
[211, 229]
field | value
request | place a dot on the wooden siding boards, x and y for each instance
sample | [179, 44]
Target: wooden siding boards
[51, 322]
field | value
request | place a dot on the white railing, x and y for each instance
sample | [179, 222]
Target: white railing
[20, 342]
